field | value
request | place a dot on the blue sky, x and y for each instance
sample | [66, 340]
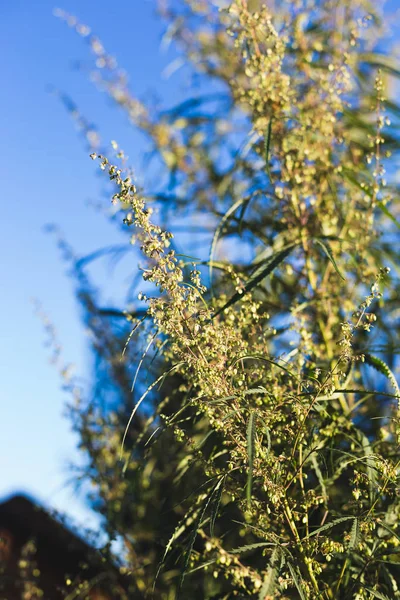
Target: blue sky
[47, 177]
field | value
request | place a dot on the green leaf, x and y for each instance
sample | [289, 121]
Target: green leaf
[142, 359]
[366, 392]
[355, 535]
[318, 473]
[389, 530]
[258, 275]
[132, 331]
[204, 439]
[269, 585]
[297, 581]
[347, 374]
[329, 526]
[382, 367]
[202, 566]
[219, 488]
[377, 594]
[251, 438]
[179, 529]
[139, 402]
[251, 547]
[267, 147]
[267, 360]
[241, 215]
[366, 189]
[168, 372]
[387, 212]
[268, 436]
[195, 530]
[259, 390]
[328, 251]
[371, 466]
[382, 61]
[349, 175]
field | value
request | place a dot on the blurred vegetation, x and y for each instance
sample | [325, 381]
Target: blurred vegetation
[242, 431]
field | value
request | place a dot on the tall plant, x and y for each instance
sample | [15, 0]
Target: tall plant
[259, 453]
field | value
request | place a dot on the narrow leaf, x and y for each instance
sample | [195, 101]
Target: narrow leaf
[195, 530]
[202, 566]
[355, 535]
[377, 594]
[132, 332]
[363, 186]
[371, 466]
[318, 473]
[329, 526]
[269, 585]
[267, 142]
[139, 402]
[259, 390]
[179, 529]
[268, 436]
[387, 212]
[297, 581]
[142, 359]
[217, 501]
[251, 547]
[328, 251]
[251, 437]
[204, 439]
[366, 392]
[258, 275]
[267, 360]
[382, 367]
[389, 530]
[382, 61]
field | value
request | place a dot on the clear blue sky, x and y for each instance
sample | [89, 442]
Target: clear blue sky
[46, 177]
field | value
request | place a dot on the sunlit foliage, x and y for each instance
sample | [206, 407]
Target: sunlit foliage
[258, 455]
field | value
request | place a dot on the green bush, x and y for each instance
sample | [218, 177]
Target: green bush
[260, 455]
